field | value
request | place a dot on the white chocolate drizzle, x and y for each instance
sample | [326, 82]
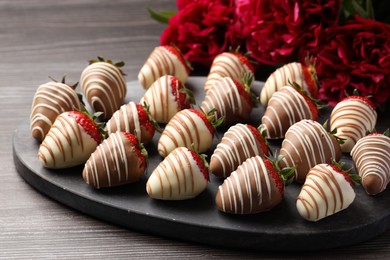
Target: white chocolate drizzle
[352, 118]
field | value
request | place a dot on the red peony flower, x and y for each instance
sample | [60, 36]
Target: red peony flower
[202, 29]
[279, 31]
[355, 56]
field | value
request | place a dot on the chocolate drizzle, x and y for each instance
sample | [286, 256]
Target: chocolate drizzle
[66, 144]
[225, 65]
[159, 98]
[286, 107]
[104, 87]
[237, 145]
[352, 118]
[185, 129]
[126, 120]
[50, 100]
[248, 190]
[371, 157]
[225, 97]
[159, 63]
[292, 72]
[114, 163]
[177, 177]
[325, 192]
[307, 144]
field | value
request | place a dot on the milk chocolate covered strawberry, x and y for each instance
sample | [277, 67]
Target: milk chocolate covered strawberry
[306, 144]
[287, 106]
[327, 190]
[228, 64]
[73, 137]
[371, 157]
[256, 186]
[353, 117]
[167, 96]
[50, 100]
[164, 60]
[120, 159]
[104, 86]
[182, 175]
[239, 143]
[303, 74]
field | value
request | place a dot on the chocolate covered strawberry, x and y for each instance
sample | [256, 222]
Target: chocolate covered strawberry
[189, 127]
[133, 118]
[239, 143]
[164, 60]
[353, 117]
[327, 190]
[306, 144]
[50, 100]
[73, 137]
[231, 100]
[182, 175]
[119, 159]
[165, 97]
[371, 157]
[228, 64]
[104, 86]
[303, 74]
[256, 186]
[287, 106]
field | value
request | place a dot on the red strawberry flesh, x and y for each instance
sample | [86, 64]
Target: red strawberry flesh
[362, 99]
[275, 175]
[134, 142]
[87, 124]
[199, 161]
[256, 133]
[311, 83]
[244, 60]
[177, 53]
[312, 106]
[243, 93]
[205, 120]
[346, 176]
[144, 121]
[180, 97]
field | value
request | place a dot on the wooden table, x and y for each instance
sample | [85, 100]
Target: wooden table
[41, 38]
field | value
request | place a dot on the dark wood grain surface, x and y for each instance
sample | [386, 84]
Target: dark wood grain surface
[41, 38]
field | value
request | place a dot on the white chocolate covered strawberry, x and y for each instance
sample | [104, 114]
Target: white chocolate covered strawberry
[304, 75]
[182, 175]
[165, 97]
[188, 128]
[326, 191]
[73, 137]
[164, 60]
[353, 117]
[133, 118]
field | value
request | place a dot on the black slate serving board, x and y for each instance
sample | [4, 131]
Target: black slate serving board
[198, 220]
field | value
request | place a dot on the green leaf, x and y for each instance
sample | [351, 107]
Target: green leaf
[161, 16]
